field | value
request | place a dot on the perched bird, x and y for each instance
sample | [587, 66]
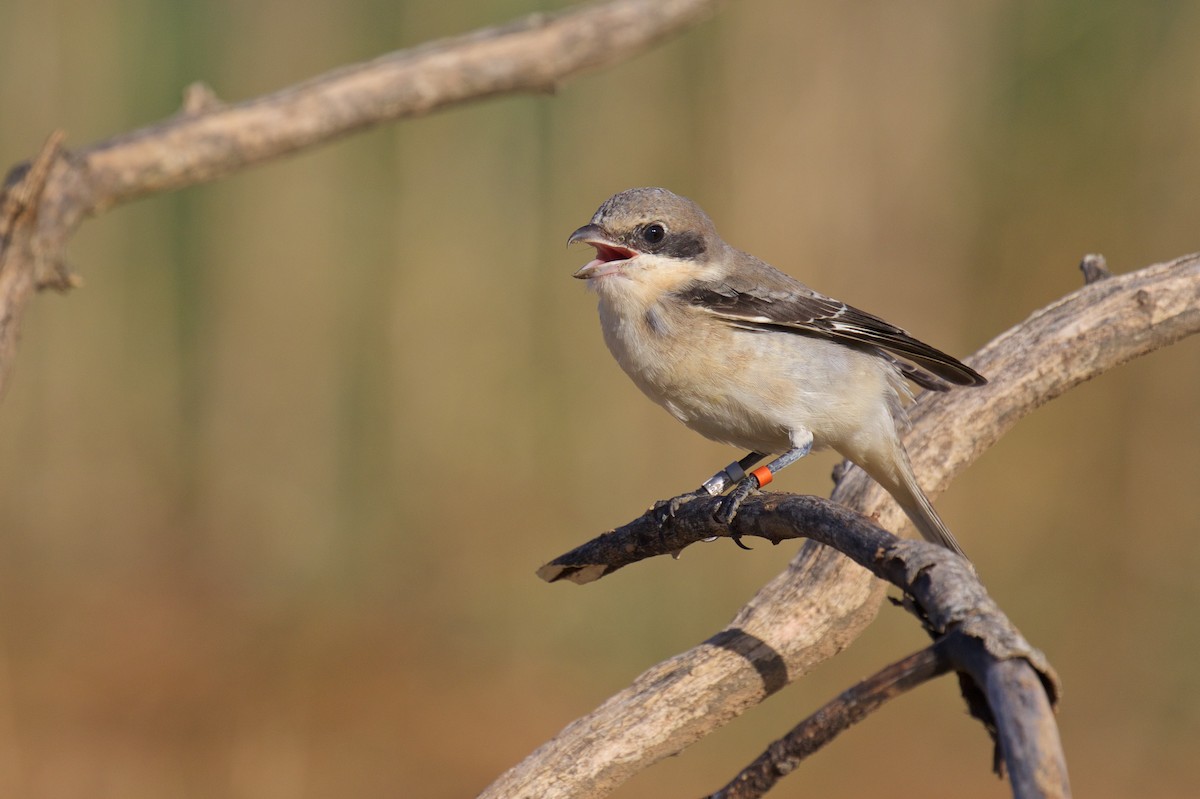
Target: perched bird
[748, 356]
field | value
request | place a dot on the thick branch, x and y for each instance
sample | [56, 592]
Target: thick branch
[209, 140]
[943, 587]
[1021, 715]
[945, 593]
[822, 602]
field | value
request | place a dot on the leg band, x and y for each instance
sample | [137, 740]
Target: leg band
[730, 475]
[735, 472]
[763, 475]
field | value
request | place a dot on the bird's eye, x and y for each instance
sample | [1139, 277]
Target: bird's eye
[654, 233]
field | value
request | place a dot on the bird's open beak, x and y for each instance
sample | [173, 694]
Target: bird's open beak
[610, 256]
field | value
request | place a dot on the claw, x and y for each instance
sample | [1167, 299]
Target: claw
[730, 504]
[665, 509]
[737, 539]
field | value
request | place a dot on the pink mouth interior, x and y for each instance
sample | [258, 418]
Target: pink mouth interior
[607, 253]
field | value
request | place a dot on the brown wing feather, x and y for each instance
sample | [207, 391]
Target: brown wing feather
[797, 309]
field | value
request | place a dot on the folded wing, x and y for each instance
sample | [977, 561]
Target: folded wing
[797, 309]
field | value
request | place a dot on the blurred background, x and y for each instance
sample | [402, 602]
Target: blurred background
[274, 483]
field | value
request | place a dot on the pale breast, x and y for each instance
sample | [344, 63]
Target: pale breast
[753, 390]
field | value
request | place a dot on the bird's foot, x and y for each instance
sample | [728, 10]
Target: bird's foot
[665, 509]
[730, 504]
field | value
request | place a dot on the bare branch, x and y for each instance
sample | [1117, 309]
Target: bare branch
[534, 54]
[852, 706]
[1019, 700]
[823, 601]
[944, 592]
[800, 618]
[1028, 739]
[209, 140]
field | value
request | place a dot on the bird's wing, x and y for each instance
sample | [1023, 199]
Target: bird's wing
[790, 306]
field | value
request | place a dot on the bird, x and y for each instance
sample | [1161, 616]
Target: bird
[750, 357]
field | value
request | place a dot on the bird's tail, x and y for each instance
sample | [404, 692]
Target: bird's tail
[920, 510]
[897, 477]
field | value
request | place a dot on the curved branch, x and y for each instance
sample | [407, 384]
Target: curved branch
[850, 707]
[209, 140]
[1012, 699]
[823, 601]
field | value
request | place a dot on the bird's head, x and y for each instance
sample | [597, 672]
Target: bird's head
[648, 235]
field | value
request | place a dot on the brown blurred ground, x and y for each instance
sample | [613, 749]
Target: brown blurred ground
[271, 500]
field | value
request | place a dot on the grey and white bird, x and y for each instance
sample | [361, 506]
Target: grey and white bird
[748, 356]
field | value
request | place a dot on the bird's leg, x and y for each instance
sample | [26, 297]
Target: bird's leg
[759, 478]
[731, 475]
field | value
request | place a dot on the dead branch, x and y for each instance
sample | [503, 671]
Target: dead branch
[823, 600]
[208, 140]
[944, 592]
[799, 619]
[853, 705]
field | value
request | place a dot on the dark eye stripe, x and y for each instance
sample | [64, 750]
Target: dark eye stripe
[681, 245]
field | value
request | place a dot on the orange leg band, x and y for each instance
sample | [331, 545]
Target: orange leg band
[764, 475]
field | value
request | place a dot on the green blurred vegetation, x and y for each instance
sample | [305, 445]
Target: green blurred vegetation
[274, 483]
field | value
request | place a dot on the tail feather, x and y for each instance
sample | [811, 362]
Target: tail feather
[895, 474]
[929, 524]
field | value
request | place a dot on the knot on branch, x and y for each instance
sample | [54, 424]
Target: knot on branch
[198, 98]
[1094, 268]
[24, 244]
